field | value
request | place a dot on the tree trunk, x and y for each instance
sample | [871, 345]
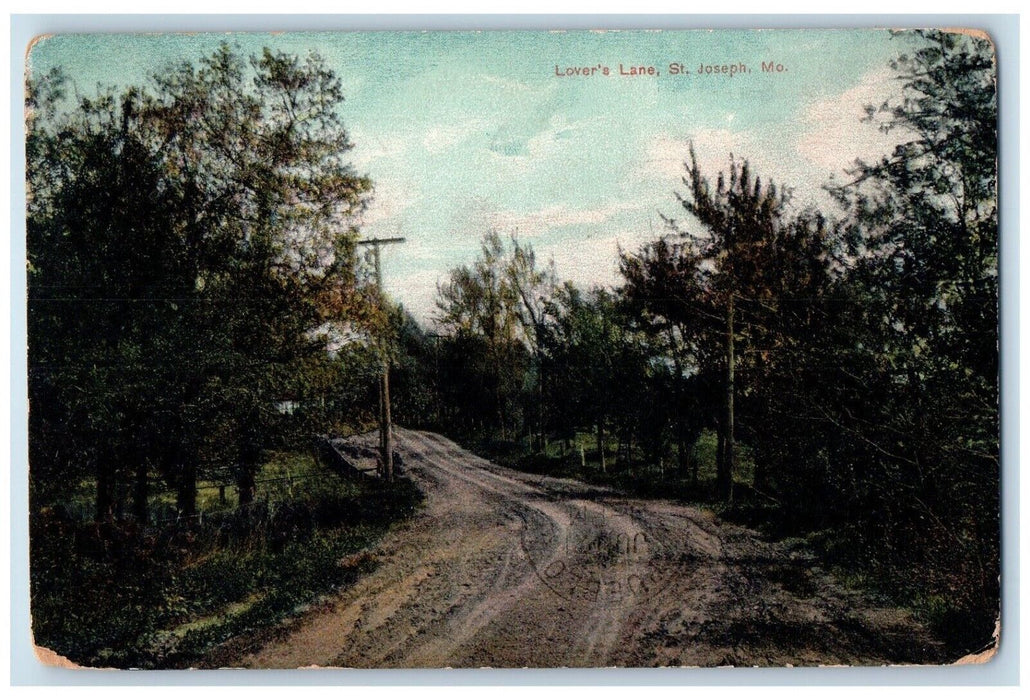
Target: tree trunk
[720, 450]
[186, 495]
[540, 407]
[761, 476]
[251, 451]
[105, 489]
[600, 444]
[681, 448]
[725, 475]
[381, 420]
[387, 425]
[245, 486]
[139, 492]
[678, 404]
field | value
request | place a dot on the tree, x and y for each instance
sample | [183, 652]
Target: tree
[666, 291]
[185, 241]
[714, 282]
[923, 228]
[265, 181]
[584, 354]
[416, 373]
[534, 288]
[100, 290]
[485, 307]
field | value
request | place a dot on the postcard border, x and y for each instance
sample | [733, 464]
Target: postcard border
[1002, 670]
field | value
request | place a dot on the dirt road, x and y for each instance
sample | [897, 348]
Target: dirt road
[506, 569]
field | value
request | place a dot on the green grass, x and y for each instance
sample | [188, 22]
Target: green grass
[120, 596]
[642, 477]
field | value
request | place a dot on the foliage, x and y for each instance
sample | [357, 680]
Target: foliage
[191, 262]
[119, 595]
[493, 314]
[922, 334]
[187, 241]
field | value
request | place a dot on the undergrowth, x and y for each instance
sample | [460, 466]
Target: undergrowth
[117, 595]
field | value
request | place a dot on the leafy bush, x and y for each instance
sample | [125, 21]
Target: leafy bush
[121, 596]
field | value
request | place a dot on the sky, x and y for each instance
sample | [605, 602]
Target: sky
[467, 132]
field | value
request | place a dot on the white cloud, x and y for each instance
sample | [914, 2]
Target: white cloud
[775, 159]
[667, 154]
[537, 222]
[518, 156]
[416, 290]
[509, 85]
[833, 134]
[370, 148]
[826, 140]
[390, 199]
[439, 138]
[519, 149]
[594, 260]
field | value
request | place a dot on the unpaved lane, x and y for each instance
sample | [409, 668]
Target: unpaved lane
[506, 569]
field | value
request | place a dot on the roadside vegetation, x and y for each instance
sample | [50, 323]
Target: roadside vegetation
[197, 316]
[162, 596]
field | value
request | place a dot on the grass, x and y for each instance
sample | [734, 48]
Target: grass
[163, 597]
[638, 476]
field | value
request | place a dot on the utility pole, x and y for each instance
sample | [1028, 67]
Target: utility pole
[385, 423]
[725, 479]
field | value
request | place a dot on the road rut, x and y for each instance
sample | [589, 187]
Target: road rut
[506, 569]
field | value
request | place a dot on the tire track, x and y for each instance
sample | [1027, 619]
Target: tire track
[507, 569]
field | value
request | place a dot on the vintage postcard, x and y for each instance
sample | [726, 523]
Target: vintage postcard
[513, 348]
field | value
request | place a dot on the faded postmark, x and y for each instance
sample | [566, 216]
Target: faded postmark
[598, 555]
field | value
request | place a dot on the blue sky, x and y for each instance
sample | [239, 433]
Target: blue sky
[463, 132]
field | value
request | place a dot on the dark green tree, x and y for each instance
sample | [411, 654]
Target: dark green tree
[710, 290]
[186, 239]
[921, 329]
[666, 291]
[481, 308]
